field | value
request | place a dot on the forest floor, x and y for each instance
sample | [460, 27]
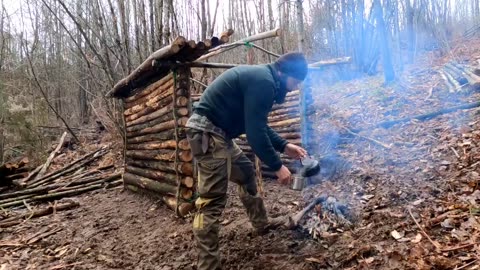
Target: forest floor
[413, 188]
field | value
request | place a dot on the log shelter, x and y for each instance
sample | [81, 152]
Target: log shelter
[157, 102]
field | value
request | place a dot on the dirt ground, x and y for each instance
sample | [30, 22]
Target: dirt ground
[117, 229]
[412, 189]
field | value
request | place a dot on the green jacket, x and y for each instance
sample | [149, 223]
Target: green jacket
[239, 102]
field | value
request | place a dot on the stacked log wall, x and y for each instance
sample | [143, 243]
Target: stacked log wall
[157, 156]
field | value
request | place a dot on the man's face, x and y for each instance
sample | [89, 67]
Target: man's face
[292, 83]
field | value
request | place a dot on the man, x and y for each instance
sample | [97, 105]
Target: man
[238, 102]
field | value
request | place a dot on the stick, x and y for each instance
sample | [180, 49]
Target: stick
[367, 138]
[38, 213]
[435, 244]
[223, 48]
[50, 157]
[297, 217]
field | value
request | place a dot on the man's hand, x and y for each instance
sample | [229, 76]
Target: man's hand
[295, 151]
[284, 175]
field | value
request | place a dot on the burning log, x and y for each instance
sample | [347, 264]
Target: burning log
[162, 154]
[164, 135]
[185, 168]
[329, 204]
[155, 186]
[160, 176]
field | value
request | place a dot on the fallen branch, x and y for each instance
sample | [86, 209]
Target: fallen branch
[421, 117]
[435, 244]
[38, 213]
[367, 138]
[50, 157]
[79, 163]
[61, 194]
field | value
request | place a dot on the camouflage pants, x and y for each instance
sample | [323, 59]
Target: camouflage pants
[219, 160]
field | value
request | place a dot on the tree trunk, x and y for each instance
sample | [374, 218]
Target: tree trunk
[386, 53]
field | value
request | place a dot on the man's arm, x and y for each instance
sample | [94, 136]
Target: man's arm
[256, 107]
[278, 142]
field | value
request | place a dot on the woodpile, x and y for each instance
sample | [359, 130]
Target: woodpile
[460, 78]
[13, 170]
[157, 154]
[70, 180]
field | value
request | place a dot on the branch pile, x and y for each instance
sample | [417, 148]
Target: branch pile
[13, 170]
[72, 179]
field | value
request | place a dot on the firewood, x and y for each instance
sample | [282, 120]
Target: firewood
[162, 154]
[160, 176]
[185, 168]
[170, 144]
[183, 209]
[164, 135]
[38, 213]
[155, 186]
[147, 91]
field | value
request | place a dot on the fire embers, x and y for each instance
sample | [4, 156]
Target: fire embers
[328, 219]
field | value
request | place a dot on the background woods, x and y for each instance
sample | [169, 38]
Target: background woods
[58, 58]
